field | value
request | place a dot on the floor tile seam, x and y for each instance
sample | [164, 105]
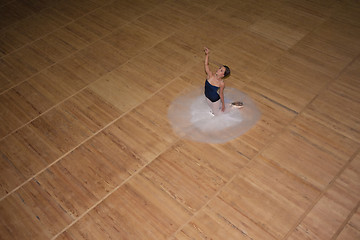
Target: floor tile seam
[230, 181]
[326, 87]
[75, 52]
[222, 189]
[114, 190]
[67, 24]
[44, 69]
[89, 44]
[88, 138]
[327, 54]
[97, 132]
[60, 27]
[92, 83]
[274, 138]
[251, 161]
[311, 206]
[207, 167]
[100, 39]
[287, 51]
[246, 165]
[39, 38]
[269, 64]
[65, 99]
[216, 195]
[64, 155]
[201, 208]
[346, 222]
[316, 28]
[328, 83]
[322, 90]
[235, 175]
[332, 43]
[116, 119]
[214, 61]
[11, 24]
[137, 172]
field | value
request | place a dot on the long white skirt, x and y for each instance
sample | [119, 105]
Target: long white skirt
[191, 117]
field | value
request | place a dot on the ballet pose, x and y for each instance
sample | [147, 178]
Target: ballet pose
[214, 86]
[189, 115]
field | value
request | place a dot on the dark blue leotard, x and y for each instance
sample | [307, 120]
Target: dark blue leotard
[211, 92]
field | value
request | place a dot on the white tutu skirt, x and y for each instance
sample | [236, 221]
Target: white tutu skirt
[191, 118]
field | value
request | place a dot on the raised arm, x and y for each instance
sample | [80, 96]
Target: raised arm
[207, 69]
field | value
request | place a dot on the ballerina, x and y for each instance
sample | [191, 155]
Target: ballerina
[190, 117]
[214, 85]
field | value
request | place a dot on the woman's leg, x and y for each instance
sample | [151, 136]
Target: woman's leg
[215, 106]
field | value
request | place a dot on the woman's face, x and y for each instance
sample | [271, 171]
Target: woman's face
[220, 72]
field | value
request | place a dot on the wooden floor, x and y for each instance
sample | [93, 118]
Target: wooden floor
[87, 151]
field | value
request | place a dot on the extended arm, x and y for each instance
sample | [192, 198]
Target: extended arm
[207, 69]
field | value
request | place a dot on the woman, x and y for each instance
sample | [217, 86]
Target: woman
[189, 113]
[214, 86]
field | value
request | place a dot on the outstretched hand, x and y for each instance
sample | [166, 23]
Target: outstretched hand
[206, 50]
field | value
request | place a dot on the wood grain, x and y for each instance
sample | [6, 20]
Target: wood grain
[86, 149]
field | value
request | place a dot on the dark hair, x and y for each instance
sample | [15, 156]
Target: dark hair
[227, 71]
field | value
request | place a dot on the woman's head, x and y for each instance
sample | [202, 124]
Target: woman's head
[223, 71]
[227, 71]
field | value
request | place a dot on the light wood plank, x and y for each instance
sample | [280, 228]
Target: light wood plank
[33, 221]
[318, 8]
[145, 208]
[250, 11]
[59, 44]
[41, 23]
[285, 88]
[132, 40]
[273, 119]
[239, 60]
[20, 105]
[12, 12]
[349, 233]
[77, 119]
[352, 229]
[258, 46]
[87, 86]
[24, 153]
[269, 196]
[286, 26]
[22, 64]
[348, 13]
[333, 109]
[75, 9]
[219, 219]
[186, 181]
[164, 20]
[11, 40]
[304, 158]
[145, 129]
[332, 209]
[317, 60]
